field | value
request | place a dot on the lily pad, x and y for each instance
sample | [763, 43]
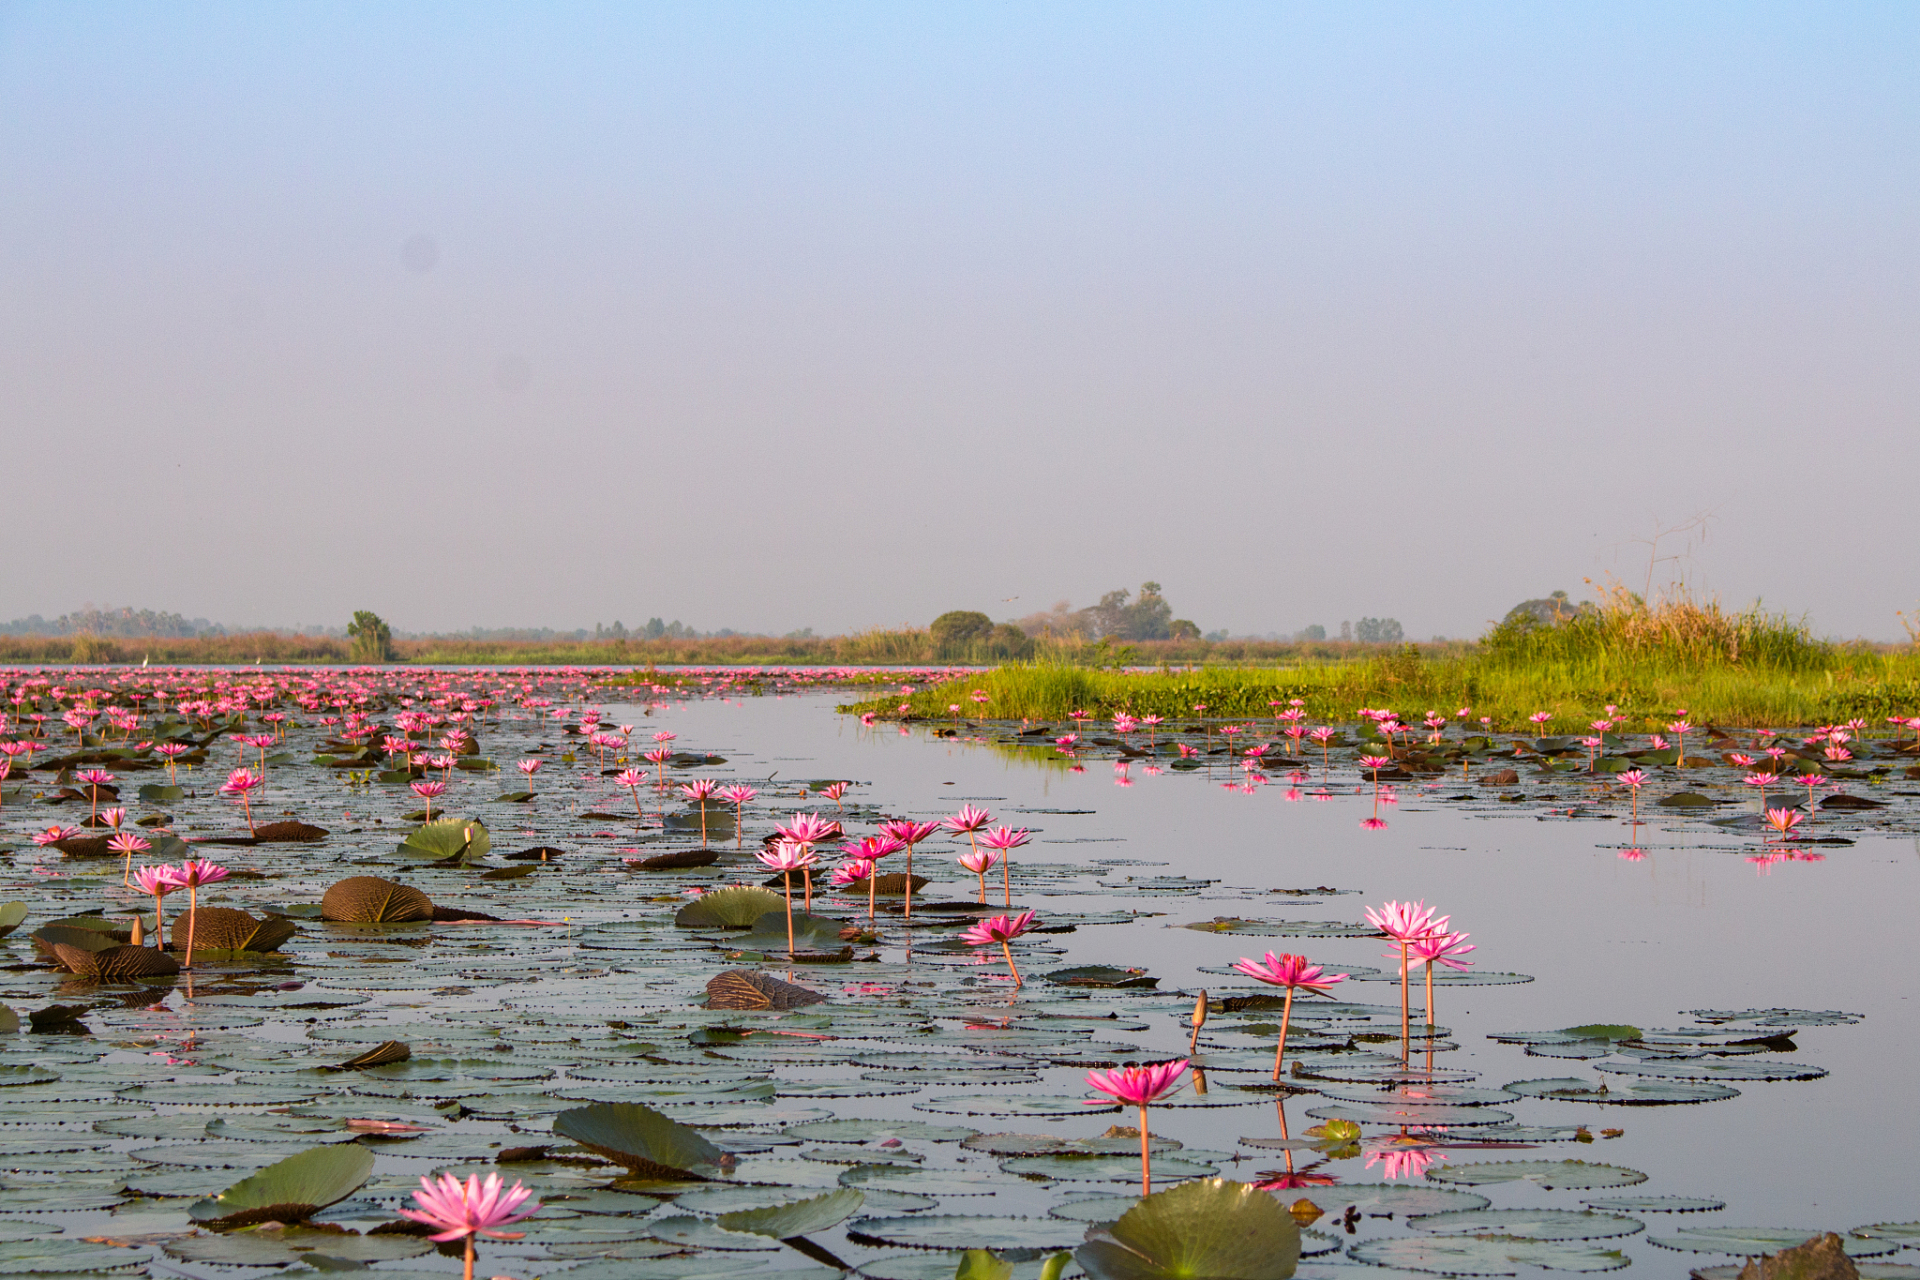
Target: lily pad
[1213, 1228]
[1485, 1255]
[801, 1217]
[444, 838]
[964, 1231]
[1658, 1093]
[642, 1139]
[290, 1190]
[1554, 1175]
[1752, 1242]
[734, 907]
[1101, 975]
[1703, 1069]
[271, 1248]
[1529, 1224]
[1654, 1204]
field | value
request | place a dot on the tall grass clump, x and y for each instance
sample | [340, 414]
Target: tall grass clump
[1675, 631]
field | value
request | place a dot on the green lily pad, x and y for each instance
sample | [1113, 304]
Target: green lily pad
[1659, 1093]
[12, 915]
[1436, 1114]
[1485, 1255]
[1907, 1233]
[1283, 928]
[801, 1217]
[1528, 1224]
[160, 793]
[1101, 975]
[853, 1130]
[65, 1257]
[963, 1231]
[1707, 1069]
[1106, 1168]
[294, 1244]
[699, 1233]
[443, 838]
[1214, 1228]
[989, 1104]
[290, 1190]
[734, 907]
[1554, 1175]
[642, 1139]
[1654, 1204]
[1752, 1242]
[1380, 1198]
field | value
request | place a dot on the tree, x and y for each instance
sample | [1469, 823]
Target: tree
[1377, 631]
[1314, 632]
[372, 638]
[1183, 629]
[958, 628]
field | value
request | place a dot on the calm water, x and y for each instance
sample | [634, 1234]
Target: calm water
[1691, 925]
[1694, 925]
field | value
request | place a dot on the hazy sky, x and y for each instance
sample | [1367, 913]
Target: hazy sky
[770, 316]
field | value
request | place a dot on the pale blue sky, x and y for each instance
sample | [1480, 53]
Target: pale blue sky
[771, 316]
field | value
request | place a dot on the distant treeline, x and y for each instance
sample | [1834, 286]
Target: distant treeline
[905, 647]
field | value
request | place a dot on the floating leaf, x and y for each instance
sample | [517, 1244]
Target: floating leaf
[444, 838]
[735, 907]
[271, 1248]
[1573, 1089]
[961, 1231]
[1214, 1228]
[1529, 1224]
[1485, 1255]
[1752, 1242]
[1554, 1175]
[802, 1217]
[290, 1190]
[1654, 1204]
[1101, 975]
[1701, 1069]
[646, 1142]
[12, 915]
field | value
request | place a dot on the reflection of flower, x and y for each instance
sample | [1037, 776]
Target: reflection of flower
[1401, 1161]
[1277, 1181]
[1634, 855]
[1373, 824]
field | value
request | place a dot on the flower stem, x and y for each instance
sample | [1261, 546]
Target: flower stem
[1008, 951]
[1146, 1175]
[1286, 1013]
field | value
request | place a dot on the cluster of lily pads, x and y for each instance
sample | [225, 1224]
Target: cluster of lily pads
[624, 1016]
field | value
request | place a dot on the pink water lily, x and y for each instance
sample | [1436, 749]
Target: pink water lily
[1406, 923]
[787, 857]
[474, 1208]
[909, 833]
[1294, 974]
[1001, 930]
[1140, 1087]
[737, 795]
[127, 843]
[190, 875]
[158, 881]
[1004, 840]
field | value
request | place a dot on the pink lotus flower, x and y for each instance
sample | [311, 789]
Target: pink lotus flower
[737, 795]
[1140, 1087]
[1001, 930]
[528, 766]
[55, 834]
[1783, 821]
[1004, 840]
[1406, 923]
[909, 833]
[808, 828]
[129, 844]
[1294, 974]
[979, 861]
[190, 875]
[158, 881]
[788, 857]
[427, 791]
[970, 819]
[473, 1208]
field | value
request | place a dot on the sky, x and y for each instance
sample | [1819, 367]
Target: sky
[770, 316]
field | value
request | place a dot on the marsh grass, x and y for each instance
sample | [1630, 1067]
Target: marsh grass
[1749, 669]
